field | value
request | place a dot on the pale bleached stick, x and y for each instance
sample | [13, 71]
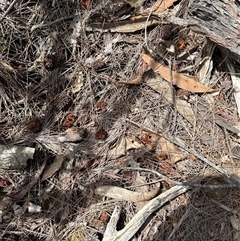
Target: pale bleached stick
[111, 233]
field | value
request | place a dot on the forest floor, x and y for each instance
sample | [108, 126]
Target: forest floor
[107, 106]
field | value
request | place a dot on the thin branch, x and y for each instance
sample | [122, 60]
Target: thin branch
[229, 177]
[111, 233]
[8, 10]
[43, 25]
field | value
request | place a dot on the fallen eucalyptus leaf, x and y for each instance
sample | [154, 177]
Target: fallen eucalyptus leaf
[164, 5]
[139, 79]
[126, 26]
[176, 78]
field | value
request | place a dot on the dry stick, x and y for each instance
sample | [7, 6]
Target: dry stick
[173, 96]
[22, 193]
[229, 177]
[226, 208]
[226, 136]
[185, 215]
[8, 10]
[43, 25]
[165, 178]
[111, 234]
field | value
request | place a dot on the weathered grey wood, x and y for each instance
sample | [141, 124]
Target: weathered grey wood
[219, 20]
[111, 234]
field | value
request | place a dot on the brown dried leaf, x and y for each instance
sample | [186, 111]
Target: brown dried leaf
[138, 80]
[178, 79]
[174, 153]
[164, 5]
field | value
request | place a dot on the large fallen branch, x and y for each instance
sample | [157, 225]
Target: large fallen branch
[111, 233]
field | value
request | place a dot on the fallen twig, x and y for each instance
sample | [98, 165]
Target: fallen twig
[43, 25]
[19, 195]
[169, 180]
[229, 177]
[8, 10]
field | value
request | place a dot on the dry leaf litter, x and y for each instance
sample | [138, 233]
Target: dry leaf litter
[116, 124]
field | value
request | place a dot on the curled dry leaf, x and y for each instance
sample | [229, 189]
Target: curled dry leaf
[177, 79]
